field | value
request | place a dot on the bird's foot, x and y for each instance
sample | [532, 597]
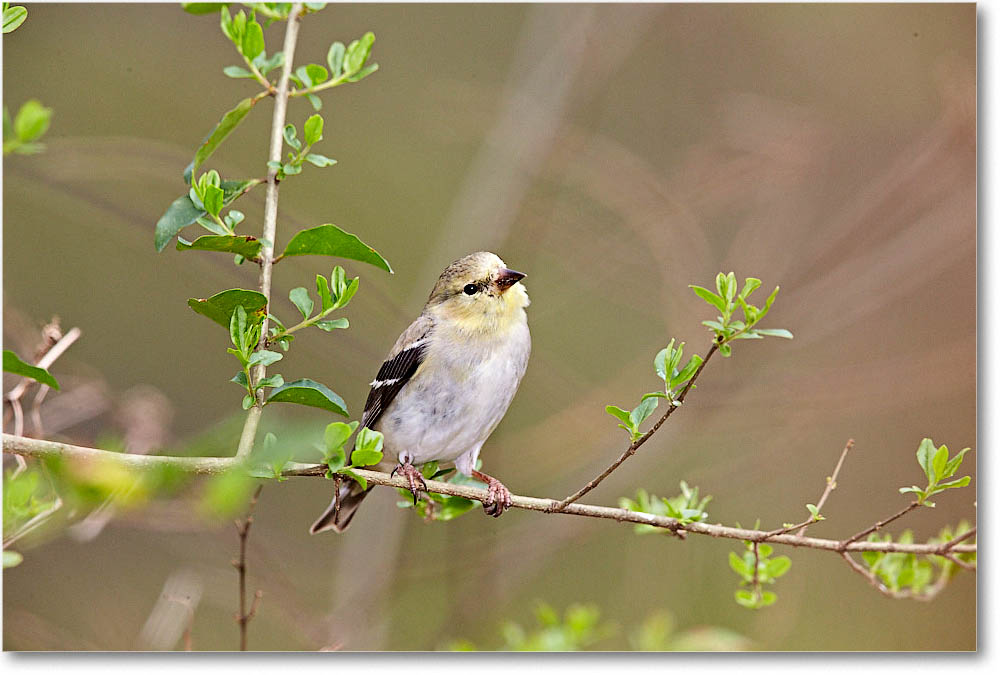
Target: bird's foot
[499, 499]
[413, 477]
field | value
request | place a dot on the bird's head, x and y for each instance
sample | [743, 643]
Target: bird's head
[479, 293]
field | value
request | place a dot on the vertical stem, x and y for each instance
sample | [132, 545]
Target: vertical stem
[271, 218]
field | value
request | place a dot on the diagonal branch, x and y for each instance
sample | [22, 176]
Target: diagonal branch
[630, 450]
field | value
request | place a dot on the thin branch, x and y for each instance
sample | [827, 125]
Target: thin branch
[31, 447]
[959, 539]
[630, 450]
[831, 485]
[271, 220]
[882, 523]
[243, 530]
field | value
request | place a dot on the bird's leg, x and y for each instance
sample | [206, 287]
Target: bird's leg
[499, 496]
[413, 477]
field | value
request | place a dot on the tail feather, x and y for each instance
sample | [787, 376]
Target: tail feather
[351, 495]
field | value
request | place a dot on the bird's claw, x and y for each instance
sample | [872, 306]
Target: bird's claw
[498, 499]
[413, 477]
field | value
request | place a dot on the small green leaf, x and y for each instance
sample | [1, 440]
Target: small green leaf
[291, 136]
[265, 357]
[775, 332]
[739, 566]
[363, 73]
[776, 567]
[313, 129]
[320, 160]
[361, 481]
[202, 7]
[365, 457]
[331, 240]
[709, 297]
[745, 598]
[315, 101]
[253, 40]
[309, 393]
[236, 72]
[317, 74]
[32, 121]
[238, 330]
[333, 324]
[220, 307]
[749, 286]
[226, 125]
[13, 364]
[246, 246]
[336, 434]
[300, 298]
[12, 18]
[369, 439]
[275, 380]
[357, 53]
[336, 459]
[952, 466]
[813, 511]
[323, 291]
[939, 462]
[623, 415]
[643, 410]
[925, 456]
[961, 482]
[725, 350]
[248, 402]
[335, 58]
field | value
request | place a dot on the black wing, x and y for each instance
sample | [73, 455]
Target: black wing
[396, 371]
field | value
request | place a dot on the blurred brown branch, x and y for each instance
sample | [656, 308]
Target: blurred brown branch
[243, 530]
[30, 447]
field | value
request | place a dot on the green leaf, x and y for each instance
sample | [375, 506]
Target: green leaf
[315, 101]
[310, 393]
[220, 307]
[749, 286]
[725, 350]
[300, 298]
[361, 481]
[365, 457]
[313, 129]
[203, 7]
[952, 466]
[253, 40]
[738, 565]
[363, 73]
[336, 459]
[238, 330]
[357, 53]
[368, 439]
[335, 58]
[323, 291]
[341, 299]
[776, 567]
[11, 558]
[275, 380]
[12, 18]
[745, 598]
[292, 169]
[336, 434]
[623, 415]
[331, 240]
[32, 121]
[333, 325]
[813, 511]
[961, 482]
[182, 212]
[709, 297]
[291, 138]
[246, 246]
[925, 456]
[660, 361]
[276, 60]
[236, 72]
[264, 357]
[317, 74]
[939, 462]
[225, 126]
[319, 160]
[643, 410]
[13, 364]
[775, 332]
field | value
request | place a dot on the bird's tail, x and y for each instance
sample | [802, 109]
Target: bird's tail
[337, 519]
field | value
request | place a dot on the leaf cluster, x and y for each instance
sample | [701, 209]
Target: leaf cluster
[726, 300]
[937, 466]
[312, 134]
[367, 450]
[768, 570]
[686, 507]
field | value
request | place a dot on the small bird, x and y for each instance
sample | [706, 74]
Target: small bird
[447, 381]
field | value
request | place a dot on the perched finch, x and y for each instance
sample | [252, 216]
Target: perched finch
[447, 381]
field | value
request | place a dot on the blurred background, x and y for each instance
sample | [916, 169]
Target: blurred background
[614, 153]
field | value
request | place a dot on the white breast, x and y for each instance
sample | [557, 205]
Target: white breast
[456, 399]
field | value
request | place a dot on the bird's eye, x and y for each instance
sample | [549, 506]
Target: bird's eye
[471, 289]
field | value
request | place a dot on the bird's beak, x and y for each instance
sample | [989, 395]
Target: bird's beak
[507, 278]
